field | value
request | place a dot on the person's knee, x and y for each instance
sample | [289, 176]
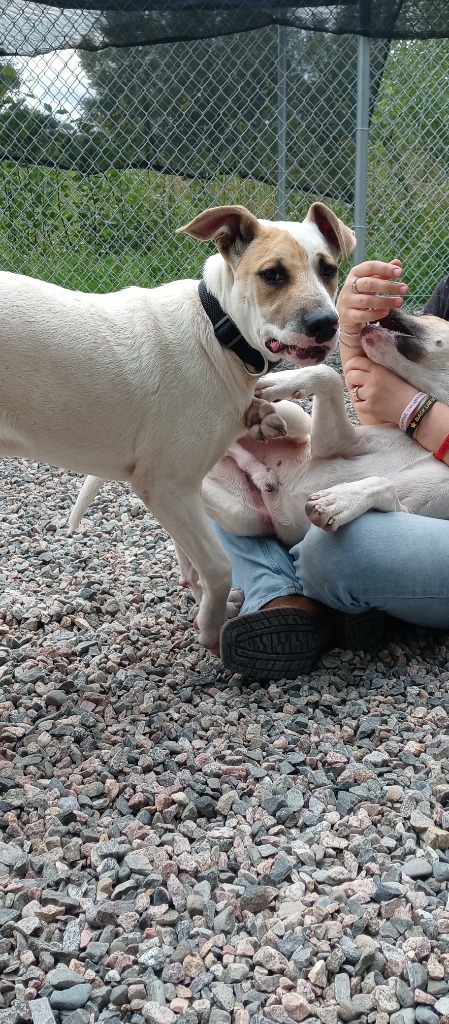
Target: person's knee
[335, 567]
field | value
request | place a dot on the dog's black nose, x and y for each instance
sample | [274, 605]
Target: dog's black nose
[321, 325]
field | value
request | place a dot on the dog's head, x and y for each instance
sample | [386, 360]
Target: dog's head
[278, 281]
[416, 348]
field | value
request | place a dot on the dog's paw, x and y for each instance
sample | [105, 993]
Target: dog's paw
[234, 602]
[265, 480]
[275, 390]
[263, 422]
[326, 511]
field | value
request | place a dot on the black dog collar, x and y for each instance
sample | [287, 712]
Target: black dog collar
[228, 334]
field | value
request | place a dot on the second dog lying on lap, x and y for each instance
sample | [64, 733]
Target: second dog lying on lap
[327, 470]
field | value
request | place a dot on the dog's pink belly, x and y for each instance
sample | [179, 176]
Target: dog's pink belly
[264, 518]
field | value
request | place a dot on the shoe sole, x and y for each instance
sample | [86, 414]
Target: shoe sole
[280, 643]
[359, 632]
[285, 643]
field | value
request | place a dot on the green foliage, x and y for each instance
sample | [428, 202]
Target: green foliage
[408, 172]
[70, 212]
[107, 231]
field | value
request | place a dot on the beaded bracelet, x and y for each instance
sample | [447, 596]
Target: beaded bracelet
[442, 450]
[407, 414]
[419, 415]
[345, 343]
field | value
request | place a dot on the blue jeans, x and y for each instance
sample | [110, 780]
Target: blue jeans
[392, 561]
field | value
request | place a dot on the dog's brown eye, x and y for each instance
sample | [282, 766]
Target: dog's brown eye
[328, 271]
[274, 275]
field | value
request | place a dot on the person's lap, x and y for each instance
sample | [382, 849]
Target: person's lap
[393, 562]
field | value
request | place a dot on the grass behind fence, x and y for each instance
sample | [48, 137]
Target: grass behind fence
[102, 232]
[108, 231]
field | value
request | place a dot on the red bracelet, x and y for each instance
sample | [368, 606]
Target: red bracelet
[442, 450]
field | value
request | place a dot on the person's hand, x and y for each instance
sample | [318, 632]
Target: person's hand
[371, 289]
[375, 391]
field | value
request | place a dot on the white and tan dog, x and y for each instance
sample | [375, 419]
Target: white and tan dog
[135, 386]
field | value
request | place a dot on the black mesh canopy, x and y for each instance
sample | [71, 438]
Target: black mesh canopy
[28, 28]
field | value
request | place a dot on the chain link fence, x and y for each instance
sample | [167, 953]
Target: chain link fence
[105, 152]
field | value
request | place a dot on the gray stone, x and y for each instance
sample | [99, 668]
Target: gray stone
[70, 998]
[441, 871]
[41, 1012]
[71, 937]
[225, 921]
[442, 1005]
[418, 867]
[258, 898]
[9, 1016]
[154, 958]
[10, 855]
[63, 977]
[342, 988]
[83, 1016]
[119, 995]
[425, 1015]
[156, 1014]
[219, 1016]
[416, 975]
[404, 994]
[223, 996]
[270, 958]
[405, 1016]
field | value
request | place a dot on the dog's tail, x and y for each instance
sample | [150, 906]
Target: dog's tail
[90, 488]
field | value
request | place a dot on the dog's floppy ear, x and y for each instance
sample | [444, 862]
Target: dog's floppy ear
[231, 227]
[340, 238]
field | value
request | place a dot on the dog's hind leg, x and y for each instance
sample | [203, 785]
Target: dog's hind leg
[335, 506]
[188, 574]
[90, 488]
[189, 578]
[181, 513]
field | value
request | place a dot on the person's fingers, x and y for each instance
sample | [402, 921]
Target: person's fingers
[377, 268]
[361, 364]
[368, 308]
[373, 286]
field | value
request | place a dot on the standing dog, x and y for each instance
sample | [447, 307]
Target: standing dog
[135, 386]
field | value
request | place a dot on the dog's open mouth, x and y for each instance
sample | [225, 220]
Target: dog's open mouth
[391, 323]
[312, 353]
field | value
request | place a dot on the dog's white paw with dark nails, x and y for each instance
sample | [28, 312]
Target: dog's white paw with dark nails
[263, 422]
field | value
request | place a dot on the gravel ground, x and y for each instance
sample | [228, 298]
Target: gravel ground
[179, 846]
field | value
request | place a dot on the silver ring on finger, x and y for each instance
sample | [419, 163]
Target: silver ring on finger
[354, 286]
[355, 393]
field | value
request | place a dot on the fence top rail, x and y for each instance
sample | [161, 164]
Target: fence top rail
[31, 27]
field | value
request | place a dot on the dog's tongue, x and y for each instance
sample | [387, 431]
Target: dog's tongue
[303, 354]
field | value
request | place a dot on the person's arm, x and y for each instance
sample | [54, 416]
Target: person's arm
[438, 304]
[382, 395]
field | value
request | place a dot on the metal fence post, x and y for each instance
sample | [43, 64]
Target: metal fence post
[361, 153]
[281, 123]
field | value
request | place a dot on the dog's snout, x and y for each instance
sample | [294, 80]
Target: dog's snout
[321, 325]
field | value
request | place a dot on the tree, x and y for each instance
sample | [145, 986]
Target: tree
[207, 107]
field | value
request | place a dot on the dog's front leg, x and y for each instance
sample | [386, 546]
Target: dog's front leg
[335, 506]
[181, 512]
